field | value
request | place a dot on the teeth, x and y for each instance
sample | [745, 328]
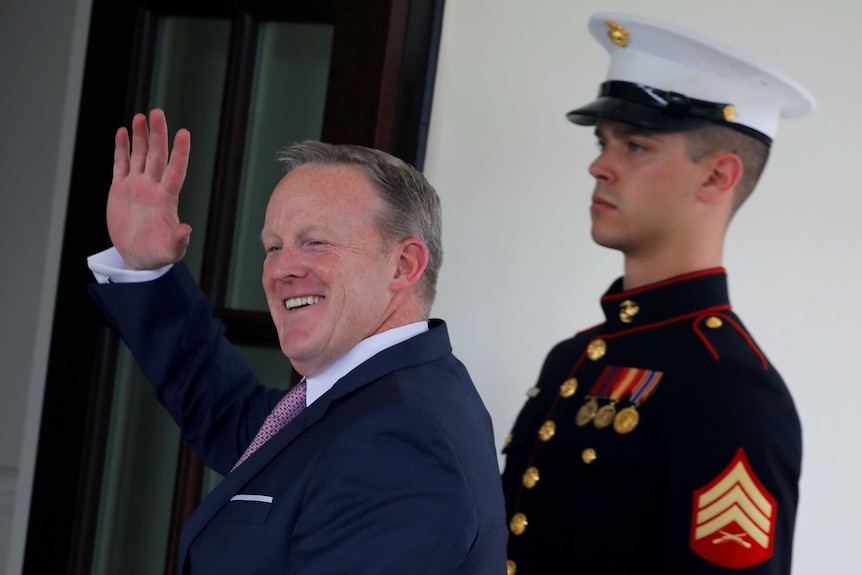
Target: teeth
[295, 302]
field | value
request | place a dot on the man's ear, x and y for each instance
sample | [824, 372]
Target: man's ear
[725, 171]
[412, 261]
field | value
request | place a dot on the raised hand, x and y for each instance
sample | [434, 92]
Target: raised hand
[143, 219]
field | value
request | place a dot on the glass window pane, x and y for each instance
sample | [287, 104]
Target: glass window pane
[188, 80]
[143, 441]
[138, 478]
[288, 104]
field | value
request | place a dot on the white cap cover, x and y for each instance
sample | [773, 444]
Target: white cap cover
[667, 78]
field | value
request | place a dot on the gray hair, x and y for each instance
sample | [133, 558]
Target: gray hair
[413, 206]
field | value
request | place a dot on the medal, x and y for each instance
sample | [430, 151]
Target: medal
[626, 420]
[587, 412]
[605, 416]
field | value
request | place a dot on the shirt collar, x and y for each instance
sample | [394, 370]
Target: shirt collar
[368, 347]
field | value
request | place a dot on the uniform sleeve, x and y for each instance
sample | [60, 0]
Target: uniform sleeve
[732, 467]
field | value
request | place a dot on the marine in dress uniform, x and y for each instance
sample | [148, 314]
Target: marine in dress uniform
[662, 440]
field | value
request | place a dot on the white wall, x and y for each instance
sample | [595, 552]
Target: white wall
[521, 272]
[41, 61]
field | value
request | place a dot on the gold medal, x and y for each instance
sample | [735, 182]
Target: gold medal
[605, 416]
[626, 420]
[587, 412]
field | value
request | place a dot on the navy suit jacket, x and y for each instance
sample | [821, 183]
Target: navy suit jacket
[393, 470]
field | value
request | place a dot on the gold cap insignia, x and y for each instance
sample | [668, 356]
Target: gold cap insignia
[713, 322]
[588, 455]
[617, 33]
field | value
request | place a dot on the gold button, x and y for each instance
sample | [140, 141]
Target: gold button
[569, 387]
[547, 431]
[713, 322]
[530, 477]
[588, 455]
[597, 349]
[511, 568]
[508, 439]
[533, 392]
[518, 524]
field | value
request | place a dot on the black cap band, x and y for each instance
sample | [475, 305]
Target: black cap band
[655, 109]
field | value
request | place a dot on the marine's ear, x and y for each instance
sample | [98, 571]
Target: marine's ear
[724, 171]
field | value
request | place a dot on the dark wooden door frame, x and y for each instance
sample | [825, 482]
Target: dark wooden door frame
[379, 94]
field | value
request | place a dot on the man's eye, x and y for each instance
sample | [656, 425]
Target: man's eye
[635, 147]
[270, 249]
[601, 145]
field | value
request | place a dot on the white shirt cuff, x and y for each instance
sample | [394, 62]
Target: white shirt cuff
[108, 267]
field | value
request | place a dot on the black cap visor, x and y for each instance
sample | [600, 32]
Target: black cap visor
[654, 109]
[646, 117]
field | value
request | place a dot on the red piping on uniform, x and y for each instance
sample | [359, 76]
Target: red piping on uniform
[738, 328]
[668, 281]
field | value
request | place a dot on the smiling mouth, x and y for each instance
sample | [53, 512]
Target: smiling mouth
[304, 301]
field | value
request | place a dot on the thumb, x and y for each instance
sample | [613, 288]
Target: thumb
[181, 237]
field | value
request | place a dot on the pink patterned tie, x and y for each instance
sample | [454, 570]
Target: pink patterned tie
[289, 407]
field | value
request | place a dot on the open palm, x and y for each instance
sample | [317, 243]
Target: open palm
[142, 214]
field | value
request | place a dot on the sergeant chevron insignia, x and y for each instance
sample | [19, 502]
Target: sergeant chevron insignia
[733, 518]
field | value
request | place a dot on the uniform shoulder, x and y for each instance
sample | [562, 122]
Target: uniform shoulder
[728, 341]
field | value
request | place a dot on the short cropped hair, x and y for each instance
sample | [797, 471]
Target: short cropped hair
[412, 204]
[704, 142]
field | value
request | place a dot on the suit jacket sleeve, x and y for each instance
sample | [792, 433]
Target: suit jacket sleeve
[200, 378]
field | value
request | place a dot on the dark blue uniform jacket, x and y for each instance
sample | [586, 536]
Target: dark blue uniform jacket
[661, 441]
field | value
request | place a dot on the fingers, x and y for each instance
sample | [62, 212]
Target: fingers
[157, 152]
[149, 146]
[175, 172]
[121, 153]
[140, 144]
